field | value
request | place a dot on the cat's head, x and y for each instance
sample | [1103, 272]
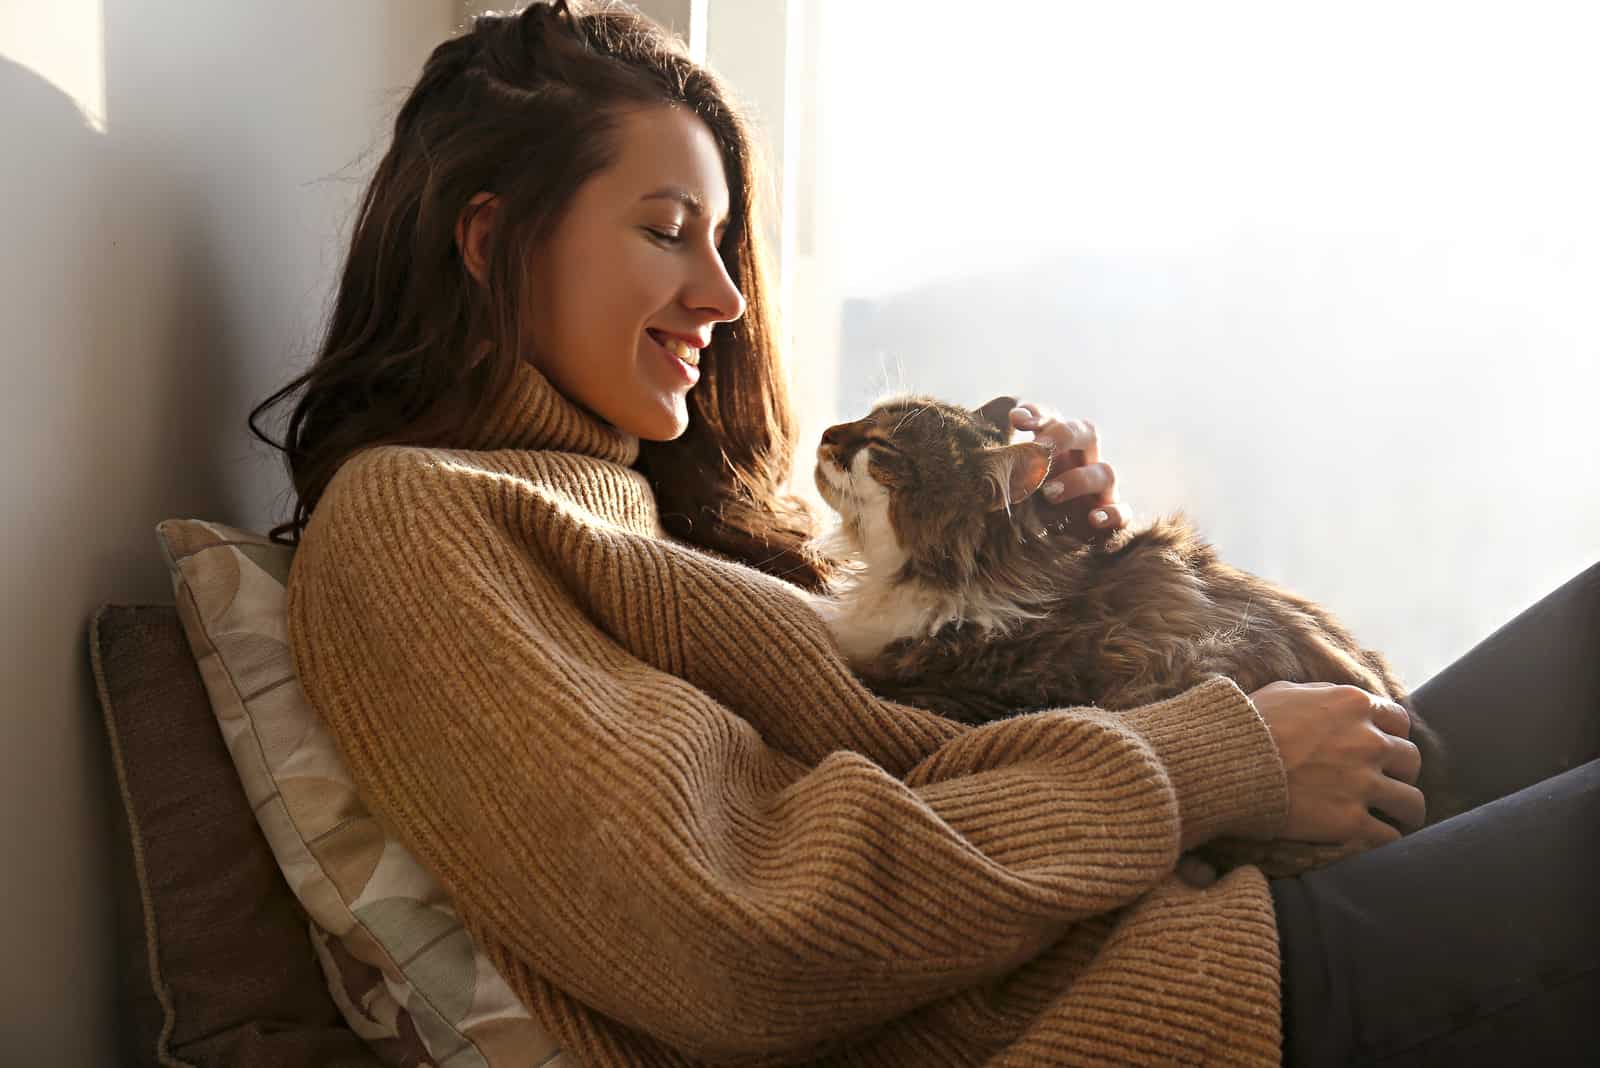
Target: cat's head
[922, 482]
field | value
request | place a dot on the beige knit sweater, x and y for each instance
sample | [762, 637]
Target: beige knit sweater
[686, 834]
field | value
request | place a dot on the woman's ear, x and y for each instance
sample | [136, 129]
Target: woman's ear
[473, 230]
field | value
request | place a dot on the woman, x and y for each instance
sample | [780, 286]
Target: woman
[551, 600]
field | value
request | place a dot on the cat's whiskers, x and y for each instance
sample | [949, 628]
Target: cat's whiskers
[904, 419]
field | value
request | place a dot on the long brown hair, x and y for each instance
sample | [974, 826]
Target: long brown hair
[525, 106]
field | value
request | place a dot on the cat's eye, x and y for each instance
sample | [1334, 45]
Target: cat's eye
[886, 459]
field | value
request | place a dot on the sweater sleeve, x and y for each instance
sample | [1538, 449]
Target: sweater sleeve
[629, 838]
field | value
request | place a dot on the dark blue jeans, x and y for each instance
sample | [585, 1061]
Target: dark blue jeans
[1475, 941]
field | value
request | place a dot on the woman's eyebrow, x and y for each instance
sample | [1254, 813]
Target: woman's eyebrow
[692, 201]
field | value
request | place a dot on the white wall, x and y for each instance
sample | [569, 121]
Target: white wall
[166, 265]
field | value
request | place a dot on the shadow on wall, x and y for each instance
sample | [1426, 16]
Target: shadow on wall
[120, 349]
[252, 128]
[111, 341]
[181, 142]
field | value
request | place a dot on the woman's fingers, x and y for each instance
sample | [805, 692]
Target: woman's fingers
[1391, 717]
[1343, 754]
[1375, 832]
[1064, 435]
[1076, 469]
[1097, 479]
[1077, 436]
[1026, 417]
[1111, 516]
[1400, 801]
[1404, 761]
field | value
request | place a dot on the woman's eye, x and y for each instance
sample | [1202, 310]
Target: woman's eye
[666, 237]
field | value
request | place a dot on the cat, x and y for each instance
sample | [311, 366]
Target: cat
[965, 593]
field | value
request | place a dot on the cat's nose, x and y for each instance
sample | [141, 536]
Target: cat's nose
[834, 435]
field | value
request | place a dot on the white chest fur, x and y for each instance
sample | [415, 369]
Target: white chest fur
[875, 604]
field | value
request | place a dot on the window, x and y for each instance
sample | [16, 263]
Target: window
[1326, 276]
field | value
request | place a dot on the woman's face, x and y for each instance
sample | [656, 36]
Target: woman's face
[635, 260]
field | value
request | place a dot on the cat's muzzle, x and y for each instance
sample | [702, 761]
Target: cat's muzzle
[829, 476]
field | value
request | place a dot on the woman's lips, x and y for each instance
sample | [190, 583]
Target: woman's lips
[667, 346]
[677, 347]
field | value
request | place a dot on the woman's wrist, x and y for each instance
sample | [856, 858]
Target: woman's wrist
[1221, 760]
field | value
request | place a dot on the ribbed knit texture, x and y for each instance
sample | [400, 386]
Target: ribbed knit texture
[686, 834]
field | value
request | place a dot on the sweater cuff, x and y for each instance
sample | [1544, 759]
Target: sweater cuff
[1221, 760]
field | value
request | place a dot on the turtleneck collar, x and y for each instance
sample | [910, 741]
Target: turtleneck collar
[533, 414]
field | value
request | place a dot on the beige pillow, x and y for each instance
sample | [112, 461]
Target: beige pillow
[397, 959]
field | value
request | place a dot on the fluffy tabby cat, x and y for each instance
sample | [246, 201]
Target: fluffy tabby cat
[968, 594]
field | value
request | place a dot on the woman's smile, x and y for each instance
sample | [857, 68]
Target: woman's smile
[684, 358]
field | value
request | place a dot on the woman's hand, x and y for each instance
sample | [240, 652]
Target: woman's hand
[1344, 751]
[1076, 471]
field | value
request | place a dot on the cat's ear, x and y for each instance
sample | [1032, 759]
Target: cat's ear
[997, 413]
[1015, 471]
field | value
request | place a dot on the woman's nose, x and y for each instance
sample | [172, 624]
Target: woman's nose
[716, 293]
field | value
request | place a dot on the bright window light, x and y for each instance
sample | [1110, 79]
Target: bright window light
[1325, 275]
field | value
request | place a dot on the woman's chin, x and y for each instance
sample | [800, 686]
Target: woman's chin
[665, 423]
[673, 436]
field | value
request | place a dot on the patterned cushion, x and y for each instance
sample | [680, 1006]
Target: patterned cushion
[398, 962]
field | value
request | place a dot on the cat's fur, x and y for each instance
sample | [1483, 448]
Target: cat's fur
[970, 595]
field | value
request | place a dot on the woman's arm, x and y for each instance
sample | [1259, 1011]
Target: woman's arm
[635, 841]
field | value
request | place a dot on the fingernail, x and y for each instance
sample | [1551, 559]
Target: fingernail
[1097, 516]
[1025, 416]
[1054, 490]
